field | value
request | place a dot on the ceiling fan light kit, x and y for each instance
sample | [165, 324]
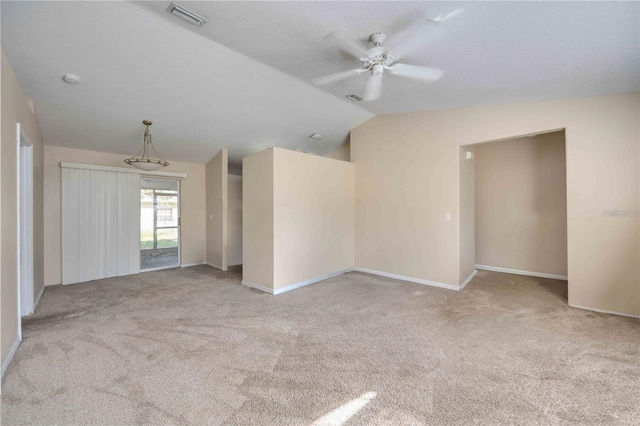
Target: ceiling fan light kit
[378, 59]
[142, 159]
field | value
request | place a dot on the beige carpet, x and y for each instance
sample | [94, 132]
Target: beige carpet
[193, 346]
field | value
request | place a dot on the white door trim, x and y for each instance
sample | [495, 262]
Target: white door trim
[179, 222]
[26, 226]
[19, 282]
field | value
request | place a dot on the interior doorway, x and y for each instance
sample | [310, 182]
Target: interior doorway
[25, 223]
[159, 224]
[513, 207]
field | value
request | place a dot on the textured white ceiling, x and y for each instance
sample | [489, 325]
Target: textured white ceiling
[138, 62]
[135, 65]
[493, 52]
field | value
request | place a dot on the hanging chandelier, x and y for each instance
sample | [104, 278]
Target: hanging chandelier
[142, 159]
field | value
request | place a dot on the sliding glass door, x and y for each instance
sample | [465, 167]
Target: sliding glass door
[159, 224]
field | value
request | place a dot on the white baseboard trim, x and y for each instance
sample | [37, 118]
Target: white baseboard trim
[410, 279]
[464, 284]
[12, 352]
[35, 305]
[188, 265]
[142, 271]
[213, 265]
[520, 272]
[602, 311]
[297, 285]
[256, 286]
[311, 281]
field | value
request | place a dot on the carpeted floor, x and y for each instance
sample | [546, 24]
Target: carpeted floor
[193, 346]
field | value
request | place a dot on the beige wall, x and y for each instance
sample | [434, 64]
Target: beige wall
[192, 204]
[407, 178]
[257, 218]
[234, 221]
[217, 171]
[16, 109]
[342, 152]
[314, 216]
[467, 227]
[298, 217]
[521, 204]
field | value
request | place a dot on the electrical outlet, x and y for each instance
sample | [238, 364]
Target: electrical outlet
[447, 217]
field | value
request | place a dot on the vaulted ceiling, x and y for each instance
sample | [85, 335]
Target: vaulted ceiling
[242, 80]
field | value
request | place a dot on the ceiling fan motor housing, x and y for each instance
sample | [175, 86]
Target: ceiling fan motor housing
[377, 59]
[377, 55]
[377, 38]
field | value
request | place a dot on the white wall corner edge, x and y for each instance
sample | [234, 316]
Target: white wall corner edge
[603, 311]
[12, 352]
[520, 272]
[410, 279]
[35, 305]
[464, 284]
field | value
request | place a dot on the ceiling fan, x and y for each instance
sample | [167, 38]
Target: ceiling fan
[379, 59]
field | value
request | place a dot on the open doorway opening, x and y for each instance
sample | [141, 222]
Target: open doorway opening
[513, 204]
[159, 224]
[234, 221]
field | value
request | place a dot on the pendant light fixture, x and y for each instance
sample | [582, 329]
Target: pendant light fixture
[142, 159]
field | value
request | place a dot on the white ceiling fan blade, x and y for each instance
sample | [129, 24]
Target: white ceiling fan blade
[414, 38]
[332, 78]
[373, 89]
[347, 44]
[417, 35]
[450, 15]
[424, 74]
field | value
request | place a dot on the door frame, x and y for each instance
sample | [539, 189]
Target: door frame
[179, 264]
[24, 219]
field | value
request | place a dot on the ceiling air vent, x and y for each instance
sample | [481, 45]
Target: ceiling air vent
[354, 98]
[316, 136]
[186, 14]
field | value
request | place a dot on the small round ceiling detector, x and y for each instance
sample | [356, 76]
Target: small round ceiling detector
[71, 79]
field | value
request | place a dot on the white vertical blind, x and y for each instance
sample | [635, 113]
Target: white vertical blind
[100, 224]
